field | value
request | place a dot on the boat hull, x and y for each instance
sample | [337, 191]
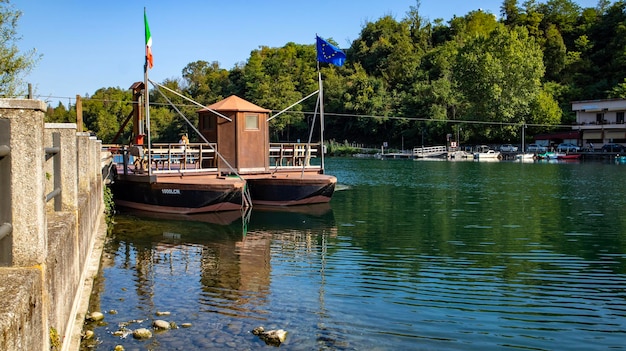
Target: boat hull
[568, 156]
[188, 197]
[291, 189]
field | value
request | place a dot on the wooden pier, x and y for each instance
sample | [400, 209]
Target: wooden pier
[418, 152]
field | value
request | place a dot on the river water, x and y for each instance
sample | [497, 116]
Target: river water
[409, 255]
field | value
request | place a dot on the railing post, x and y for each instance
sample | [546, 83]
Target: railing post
[23, 127]
[54, 153]
[67, 179]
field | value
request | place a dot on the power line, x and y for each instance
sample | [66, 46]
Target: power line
[348, 115]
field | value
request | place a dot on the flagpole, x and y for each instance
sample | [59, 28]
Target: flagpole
[326, 52]
[147, 104]
[321, 102]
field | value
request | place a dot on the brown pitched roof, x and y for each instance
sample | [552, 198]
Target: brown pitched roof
[235, 103]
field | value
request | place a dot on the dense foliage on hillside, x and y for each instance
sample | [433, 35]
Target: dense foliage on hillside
[413, 80]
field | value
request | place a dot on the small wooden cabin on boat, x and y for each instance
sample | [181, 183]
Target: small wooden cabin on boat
[243, 140]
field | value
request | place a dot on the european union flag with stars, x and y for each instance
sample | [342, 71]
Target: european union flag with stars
[327, 52]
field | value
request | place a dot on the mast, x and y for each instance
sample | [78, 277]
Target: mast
[145, 89]
[326, 52]
[147, 109]
[321, 101]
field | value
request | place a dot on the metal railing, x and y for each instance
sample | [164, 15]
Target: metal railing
[6, 227]
[54, 152]
[183, 156]
[292, 154]
[429, 150]
[165, 157]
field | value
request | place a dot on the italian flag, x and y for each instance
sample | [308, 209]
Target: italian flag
[148, 42]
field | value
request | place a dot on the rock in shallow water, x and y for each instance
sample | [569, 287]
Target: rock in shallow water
[271, 337]
[142, 333]
[96, 316]
[161, 324]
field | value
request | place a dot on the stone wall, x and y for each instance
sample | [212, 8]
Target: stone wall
[44, 257]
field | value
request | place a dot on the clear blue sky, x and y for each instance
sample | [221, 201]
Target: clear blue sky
[87, 45]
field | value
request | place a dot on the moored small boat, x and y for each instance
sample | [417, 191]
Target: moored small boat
[485, 153]
[561, 156]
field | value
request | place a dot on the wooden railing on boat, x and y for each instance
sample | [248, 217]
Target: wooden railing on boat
[194, 157]
[165, 157]
[183, 156]
[293, 154]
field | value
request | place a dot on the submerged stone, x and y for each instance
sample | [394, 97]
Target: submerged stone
[161, 324]
[96, 316]
[271, 337]
[142, 333]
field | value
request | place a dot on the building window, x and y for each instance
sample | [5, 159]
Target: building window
[619, 118]
[599, 118]
[208, 122]
[252, 122]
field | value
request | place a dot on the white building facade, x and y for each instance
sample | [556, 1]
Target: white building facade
[601, 121]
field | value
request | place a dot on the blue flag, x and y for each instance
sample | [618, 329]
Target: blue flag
[327, 52]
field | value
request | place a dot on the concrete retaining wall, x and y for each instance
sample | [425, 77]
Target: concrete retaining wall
[44, 257]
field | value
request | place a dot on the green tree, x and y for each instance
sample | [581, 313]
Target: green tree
[206, 82]
[618, 91]
[275, 78]
[564, 14]
[59, 114]
[166, 108]
[554, 53]
[510, 12]
[531, 18]
[13, 64]
[105, 111]
[386, 49]
[500, 75]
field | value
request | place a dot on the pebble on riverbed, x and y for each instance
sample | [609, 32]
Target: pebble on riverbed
[142, 333]
[96, 316]
[271, 337]
[161, 324]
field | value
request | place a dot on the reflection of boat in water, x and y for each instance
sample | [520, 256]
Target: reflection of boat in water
[219, 218]
[525, 157]
[293, 217]
[259, 217]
